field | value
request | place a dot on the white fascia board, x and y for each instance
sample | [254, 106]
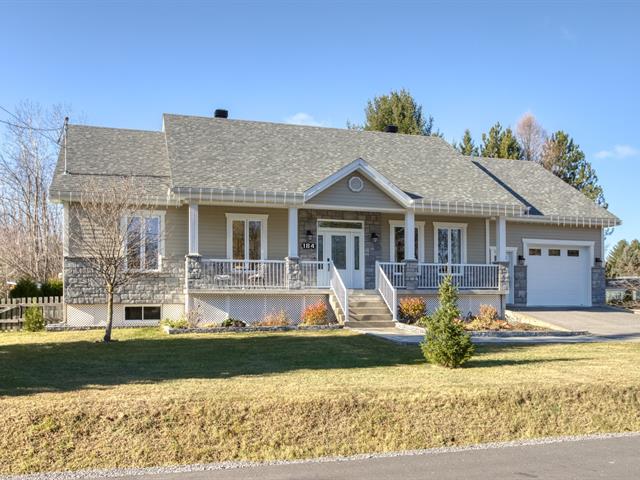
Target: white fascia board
[368, 171]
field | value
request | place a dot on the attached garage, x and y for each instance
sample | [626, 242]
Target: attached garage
[558, 273]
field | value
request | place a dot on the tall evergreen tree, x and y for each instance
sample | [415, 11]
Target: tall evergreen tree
[467, 146]
[398, 108]
[562, 156]
[500, 143]
[509, 146]
[614, 258]
[491, 142]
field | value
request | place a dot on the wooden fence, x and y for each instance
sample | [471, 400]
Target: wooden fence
[12, 310]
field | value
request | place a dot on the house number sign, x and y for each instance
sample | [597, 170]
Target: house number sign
[308, 245]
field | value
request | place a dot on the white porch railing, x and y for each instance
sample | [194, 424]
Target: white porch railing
[314, 274]
[394, 272]
[244, 274]
[464, 276]
[339, 289]
[386, 288]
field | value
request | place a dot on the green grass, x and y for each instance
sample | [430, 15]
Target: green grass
[152, 399]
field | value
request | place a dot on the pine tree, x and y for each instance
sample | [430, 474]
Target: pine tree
[509, 146]
[400, 109]
[563, 157]
[491, 142]
[445, 342]
[615, 257]
[466, 146]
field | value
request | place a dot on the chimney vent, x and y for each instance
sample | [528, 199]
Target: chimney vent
[391, 129]
[221, 113]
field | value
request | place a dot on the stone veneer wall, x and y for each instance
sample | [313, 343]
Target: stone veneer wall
[598, 286]
[308, 220]
[167, 286]
[520, 285]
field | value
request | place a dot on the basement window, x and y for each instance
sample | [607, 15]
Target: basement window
[139, 312]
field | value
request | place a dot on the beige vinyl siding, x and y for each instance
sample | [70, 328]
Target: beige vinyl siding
[176, 231]
[339, 194]
[212, 228]
[516, 231]
[475, 236]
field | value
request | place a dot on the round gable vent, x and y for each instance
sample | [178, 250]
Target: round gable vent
[356, 184]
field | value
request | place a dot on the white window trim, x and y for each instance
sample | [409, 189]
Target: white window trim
[462, 227]
[247, 217]
[392, 244]
[124, 311]
[146, 214]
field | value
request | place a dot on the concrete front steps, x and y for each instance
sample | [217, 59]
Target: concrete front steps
[368, 310]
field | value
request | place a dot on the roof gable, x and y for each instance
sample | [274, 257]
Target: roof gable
[377, 189]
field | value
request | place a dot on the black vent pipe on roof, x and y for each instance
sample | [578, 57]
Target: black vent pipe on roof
[391, 129]
[221, 113]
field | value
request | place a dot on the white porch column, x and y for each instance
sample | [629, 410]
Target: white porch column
[193, 229]
[293, 233]
[501, 239]
[410, 235]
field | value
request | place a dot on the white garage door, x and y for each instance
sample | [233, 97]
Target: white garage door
[558, 275]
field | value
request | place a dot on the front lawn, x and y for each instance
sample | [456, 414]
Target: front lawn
[152, 399]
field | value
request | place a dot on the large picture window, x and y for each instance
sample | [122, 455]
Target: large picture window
[246, 236]
[450, 243]
[143, 241]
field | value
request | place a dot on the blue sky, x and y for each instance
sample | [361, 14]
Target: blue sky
[575, 65]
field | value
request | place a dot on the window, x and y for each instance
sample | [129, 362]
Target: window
[535, 252]
[573, 253]
[450, 243]
[396, 241]
[339, 224]
[143, 241]
[147, 312]
[554, 252]
[246, 236]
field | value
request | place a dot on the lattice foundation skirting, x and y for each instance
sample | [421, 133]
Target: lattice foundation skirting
[214, 308]
[469, 303]
[96, 315]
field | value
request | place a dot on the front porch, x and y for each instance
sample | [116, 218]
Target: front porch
[329, 252]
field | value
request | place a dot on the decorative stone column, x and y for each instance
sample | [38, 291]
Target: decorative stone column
[294, 275]
[503, 276]
[520, 284]
[193, 271]
[598, 285]
[411, 274]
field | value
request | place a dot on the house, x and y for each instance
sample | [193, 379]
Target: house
[620, 289]
[257, 217]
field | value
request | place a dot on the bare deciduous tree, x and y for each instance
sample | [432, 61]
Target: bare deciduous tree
[531, 136]
[30, 227]
[105, 231]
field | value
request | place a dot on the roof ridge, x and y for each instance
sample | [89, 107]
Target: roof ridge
[83, 125]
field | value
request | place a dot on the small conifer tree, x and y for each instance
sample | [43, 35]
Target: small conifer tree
[445, 342]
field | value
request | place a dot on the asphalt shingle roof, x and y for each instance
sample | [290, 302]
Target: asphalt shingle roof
[212, 153]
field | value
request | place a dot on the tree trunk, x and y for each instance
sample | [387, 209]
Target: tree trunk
[107, 330]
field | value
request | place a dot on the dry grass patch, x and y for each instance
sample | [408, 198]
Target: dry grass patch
[151, 399]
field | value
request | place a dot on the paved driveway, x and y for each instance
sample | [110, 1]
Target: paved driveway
[603, 322]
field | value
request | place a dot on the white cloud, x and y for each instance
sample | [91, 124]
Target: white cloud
[618, 151]
[302, 118]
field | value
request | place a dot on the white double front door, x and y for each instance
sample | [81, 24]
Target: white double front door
[345, 247]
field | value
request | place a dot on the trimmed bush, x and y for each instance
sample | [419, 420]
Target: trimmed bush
[316, 314]
[25, 288]
[33, 319]
[275, 319]
[412, 309]
[179, 323]
[445, 342]
[232, 322]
